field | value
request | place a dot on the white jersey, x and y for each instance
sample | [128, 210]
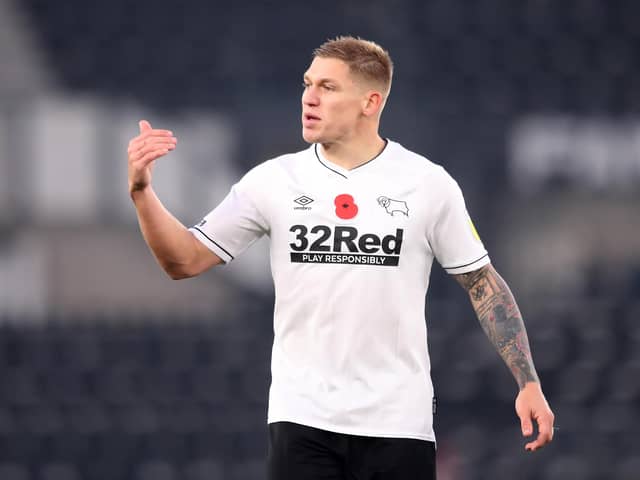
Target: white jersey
[351, 255]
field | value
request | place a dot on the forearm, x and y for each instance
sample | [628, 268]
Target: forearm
[501, 320]
[169, 240]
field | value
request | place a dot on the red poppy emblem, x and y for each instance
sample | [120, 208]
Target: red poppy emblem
[345, 206]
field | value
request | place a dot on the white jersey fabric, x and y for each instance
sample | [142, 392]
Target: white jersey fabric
[351, 255]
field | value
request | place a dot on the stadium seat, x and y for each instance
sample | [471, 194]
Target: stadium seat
[203, 469]
[249, 470]
[578, 383]
[20, 387]
[14, 471]
[570, 467]
[627, 468]
[155, 470]
[58, 471]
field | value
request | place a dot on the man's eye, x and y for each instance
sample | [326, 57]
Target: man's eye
[305, 84]
[328, 87]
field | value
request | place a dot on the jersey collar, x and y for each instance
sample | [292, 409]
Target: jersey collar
[343, 172]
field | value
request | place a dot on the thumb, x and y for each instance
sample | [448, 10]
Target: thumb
[526, 425]
[144, 125]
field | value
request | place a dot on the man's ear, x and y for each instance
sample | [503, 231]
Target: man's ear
[372, 103]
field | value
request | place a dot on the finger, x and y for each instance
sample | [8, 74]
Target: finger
[526, 425]
[140, 143]
[144, 125]
[150, 157]
[545, 429]
[149, 134]
[152, 143]
[155, 132]
[539, 442]
[545, 435]
[146, 157]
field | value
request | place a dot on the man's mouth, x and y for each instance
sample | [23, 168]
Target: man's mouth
[309, 117]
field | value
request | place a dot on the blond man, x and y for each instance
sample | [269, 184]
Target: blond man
[354, 223]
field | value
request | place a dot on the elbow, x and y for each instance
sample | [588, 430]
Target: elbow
[178, 271]
[178, 275]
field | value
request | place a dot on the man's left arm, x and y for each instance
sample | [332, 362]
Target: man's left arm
[501, 320]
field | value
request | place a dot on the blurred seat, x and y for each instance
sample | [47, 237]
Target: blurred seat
[8, 422]
[117, 447]
[209, 444]
[127, 346]
[19, 386]
[33, 347]
[81, 348]
[67, 446]
[156, 470]
[165, 445]
[211, 385]
[106, 468]
[570, 466]
[253, 383]
[627, 468]
[186, 417]
[42, 419]
[64, 385]
[204, 469]
[163, 387]
[457, 386]
[572, 417]
[21, 447]
[88, 418]
[14, 471]
[59, 471]
[506, 467]
[137, 418]
[623, 383]
[471, 439]
[578, 383]
[253, 469]
[614, 417]
[177, 348]
[596, 345]
[117, 385]
[472, 352]
[548, 345]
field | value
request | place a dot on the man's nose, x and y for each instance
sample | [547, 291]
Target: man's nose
[310, 96]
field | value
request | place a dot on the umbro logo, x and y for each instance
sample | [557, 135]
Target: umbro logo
[303, 202]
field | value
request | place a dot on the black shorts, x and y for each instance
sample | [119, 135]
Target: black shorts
[298, 452]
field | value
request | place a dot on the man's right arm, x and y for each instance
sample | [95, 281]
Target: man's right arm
[177, 251]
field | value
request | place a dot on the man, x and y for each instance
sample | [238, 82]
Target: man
[354, 223]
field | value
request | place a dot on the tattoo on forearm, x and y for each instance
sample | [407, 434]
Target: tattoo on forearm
[501, 320]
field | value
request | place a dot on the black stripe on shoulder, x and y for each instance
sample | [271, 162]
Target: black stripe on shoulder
[467, 264]
[315, 149]
[214, 242]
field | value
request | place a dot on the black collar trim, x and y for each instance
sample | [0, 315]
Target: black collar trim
[386, 142]
[315, 149]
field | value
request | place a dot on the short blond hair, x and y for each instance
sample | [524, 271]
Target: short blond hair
[365, 58]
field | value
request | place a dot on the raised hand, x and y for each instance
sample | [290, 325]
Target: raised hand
[143, 150]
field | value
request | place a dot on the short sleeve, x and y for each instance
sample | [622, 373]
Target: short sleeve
[454, 239]
[236, 223]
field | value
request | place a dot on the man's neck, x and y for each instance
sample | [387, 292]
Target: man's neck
[350, 155]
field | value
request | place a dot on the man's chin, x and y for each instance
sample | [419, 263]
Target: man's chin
[309, 137]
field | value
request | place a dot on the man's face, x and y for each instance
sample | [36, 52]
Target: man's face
[331, 102]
